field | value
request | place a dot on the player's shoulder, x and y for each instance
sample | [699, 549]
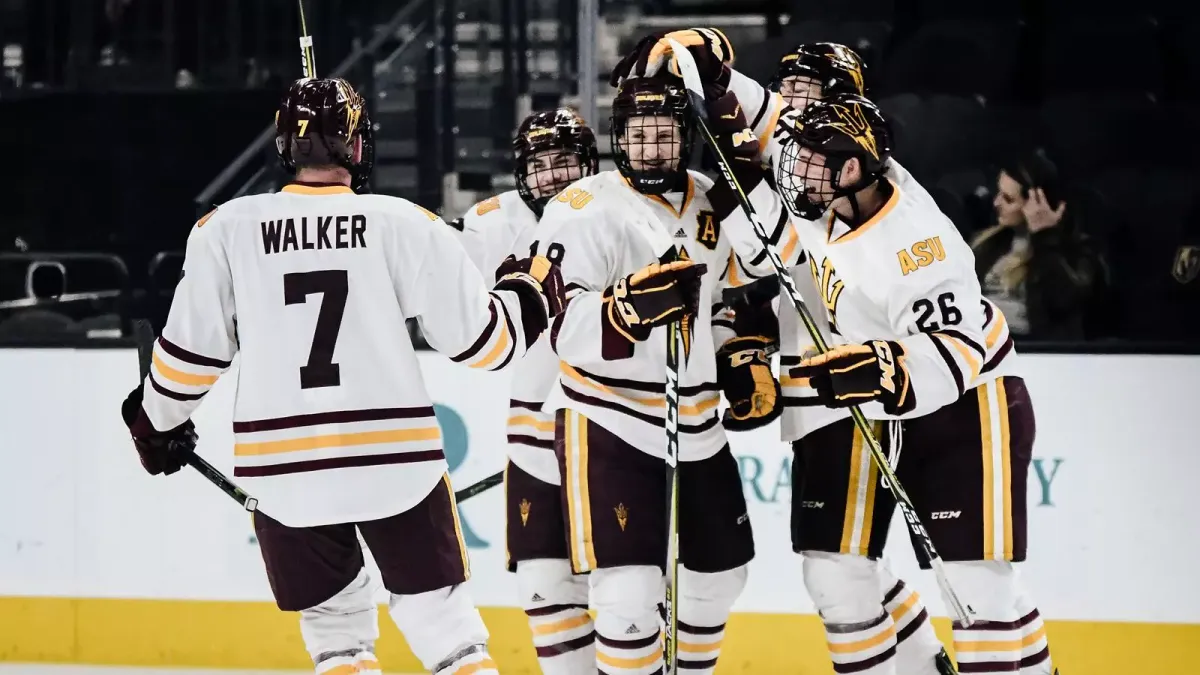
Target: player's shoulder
[920, 243]
[504, 205]
[583, 199]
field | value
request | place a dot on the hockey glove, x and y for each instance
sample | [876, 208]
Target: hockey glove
[162, 452]
[710, 49]
[539, 286]
[654, 296]
[738, 144]
[744, 373]
[851, 375]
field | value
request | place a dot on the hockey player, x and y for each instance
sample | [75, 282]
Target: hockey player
[551, 150]
[946, 353]
[815, 70]
[640, 248]
[333, 430]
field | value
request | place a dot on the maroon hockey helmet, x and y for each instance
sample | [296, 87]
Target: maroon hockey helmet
[561, 129]
[826, 135]
[836, 67]
[316, 124]
[638, 144]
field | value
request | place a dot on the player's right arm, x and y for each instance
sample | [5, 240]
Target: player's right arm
[458, 314]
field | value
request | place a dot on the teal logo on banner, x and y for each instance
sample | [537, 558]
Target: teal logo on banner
[457, 443]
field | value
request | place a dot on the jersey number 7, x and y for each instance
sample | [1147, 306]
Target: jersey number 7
[333, 285]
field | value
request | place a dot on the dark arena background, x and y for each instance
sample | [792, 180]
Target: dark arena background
[123, 122]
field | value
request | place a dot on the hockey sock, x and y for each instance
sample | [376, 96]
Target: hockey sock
[916, 644]
[699, 647]
[1003, 646]
[628, 648]
[366, 661]
[470, 660]
[867, 648]
[704, 603]
[564, 638]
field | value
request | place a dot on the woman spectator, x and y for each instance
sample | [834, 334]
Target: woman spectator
[1035, 263]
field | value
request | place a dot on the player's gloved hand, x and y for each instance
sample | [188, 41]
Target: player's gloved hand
[850, 375]
[655, 295]
[539, 285]
[744, 373]
[710, 49]
[738, 144]
[162, 452]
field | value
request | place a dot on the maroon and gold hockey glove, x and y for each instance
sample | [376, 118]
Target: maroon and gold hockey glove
[162, 452]
[539, 286]
[710, 49]
[655, 295]
[850, 375]
[744, 373]
[739, 145]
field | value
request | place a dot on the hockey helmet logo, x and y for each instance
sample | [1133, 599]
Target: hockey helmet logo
[854, 124]
[844, 58]
[1187, 264]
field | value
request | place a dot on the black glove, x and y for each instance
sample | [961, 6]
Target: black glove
[162, 452]
[709, 47]
[744, 373]
[654, 296]
[851, 375]
[539, 285]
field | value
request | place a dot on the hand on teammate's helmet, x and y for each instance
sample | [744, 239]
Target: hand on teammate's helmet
[709, 47]
[728, 123]
[539, 285]
[744, 373]
[850, 375]
[162, 452]
[653, 296]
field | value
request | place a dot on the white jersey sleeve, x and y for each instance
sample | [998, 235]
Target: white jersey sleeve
[199, 340]
[458, 316]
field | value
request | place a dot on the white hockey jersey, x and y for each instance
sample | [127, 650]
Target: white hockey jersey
[312, 285]
[607, 230]
[493, 229]
[905, 275]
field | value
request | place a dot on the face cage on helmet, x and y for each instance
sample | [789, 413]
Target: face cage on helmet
[589, 164]
[657, 180]
[801, 198]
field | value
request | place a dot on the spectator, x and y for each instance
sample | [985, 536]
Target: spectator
[1035, 263]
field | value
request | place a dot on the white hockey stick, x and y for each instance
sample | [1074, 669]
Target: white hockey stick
[925, 547]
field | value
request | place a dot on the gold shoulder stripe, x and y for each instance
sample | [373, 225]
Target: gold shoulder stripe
[204, 219]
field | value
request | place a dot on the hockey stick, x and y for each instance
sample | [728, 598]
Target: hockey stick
[671, 607]
[143, 333]
[308, 60]
[479, 486]
[695, 89]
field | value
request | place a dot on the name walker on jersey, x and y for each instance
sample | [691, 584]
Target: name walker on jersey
[321, 232]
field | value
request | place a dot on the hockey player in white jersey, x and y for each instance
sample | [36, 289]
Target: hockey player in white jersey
[915, 343]
[334, 432]
[552, 149]
[619, 232]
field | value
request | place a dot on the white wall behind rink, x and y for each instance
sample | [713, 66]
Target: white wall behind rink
[1114, 529]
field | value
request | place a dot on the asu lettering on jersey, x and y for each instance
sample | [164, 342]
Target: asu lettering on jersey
[327, 377]
[492, 230]
[613, 232]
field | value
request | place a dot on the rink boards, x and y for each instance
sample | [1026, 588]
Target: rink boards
[100, 563]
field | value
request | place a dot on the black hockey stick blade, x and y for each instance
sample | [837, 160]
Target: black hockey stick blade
[143, 334]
